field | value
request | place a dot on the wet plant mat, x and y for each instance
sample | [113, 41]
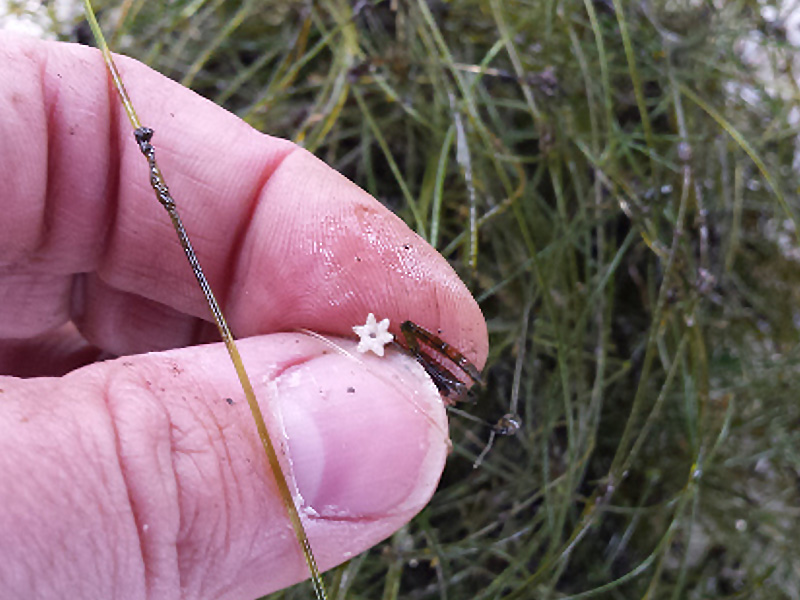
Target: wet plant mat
[616, 182]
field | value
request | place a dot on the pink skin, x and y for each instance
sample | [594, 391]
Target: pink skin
[137, 478]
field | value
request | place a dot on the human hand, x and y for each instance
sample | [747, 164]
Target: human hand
[142, 477]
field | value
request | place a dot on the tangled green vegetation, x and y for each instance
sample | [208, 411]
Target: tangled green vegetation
[615, 182]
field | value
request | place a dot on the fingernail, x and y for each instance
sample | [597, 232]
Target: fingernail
[367, 437]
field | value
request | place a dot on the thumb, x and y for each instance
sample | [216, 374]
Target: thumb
[144, 477]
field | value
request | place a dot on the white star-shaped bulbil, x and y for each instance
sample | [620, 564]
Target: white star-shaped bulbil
[373, 335]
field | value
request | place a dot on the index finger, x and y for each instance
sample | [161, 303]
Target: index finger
[286, 241]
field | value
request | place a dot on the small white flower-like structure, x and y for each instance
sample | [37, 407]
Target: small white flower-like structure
[373, 335]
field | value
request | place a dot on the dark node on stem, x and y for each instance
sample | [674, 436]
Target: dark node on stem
[143, 135]
[508, 424]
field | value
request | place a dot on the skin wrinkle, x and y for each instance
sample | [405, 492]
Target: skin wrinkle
[224, 516]
[77, 301]
[51, 97]
[88, 449]
[124, 375]
[108, 513]
[106, 395]
[159, 326]
[187, 518]
[213, 440]
[201, 331]
[247, 249]
[240, 235]
[238, 485]
[225, 509]
[23, 255]
[54, 482]
[46, 224]
[113, 180]
[25, 574]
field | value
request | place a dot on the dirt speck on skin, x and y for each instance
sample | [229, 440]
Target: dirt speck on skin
[229, 401]
[351, 390]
